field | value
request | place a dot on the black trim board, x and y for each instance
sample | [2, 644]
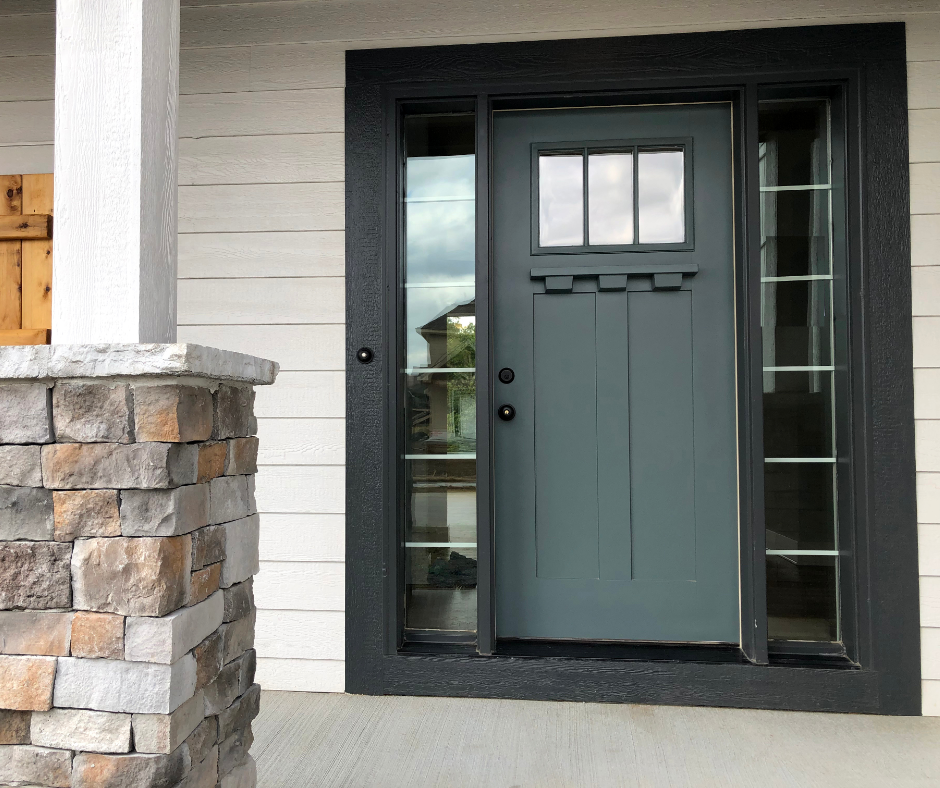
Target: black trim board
[869, 62]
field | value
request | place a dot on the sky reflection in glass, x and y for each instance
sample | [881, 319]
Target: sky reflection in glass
[661, 196]
[561, 200]
[439, 214]
[610, 198]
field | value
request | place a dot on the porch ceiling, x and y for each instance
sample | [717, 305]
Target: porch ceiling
[328, 741]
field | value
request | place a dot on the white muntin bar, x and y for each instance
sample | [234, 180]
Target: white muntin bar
[116, 97]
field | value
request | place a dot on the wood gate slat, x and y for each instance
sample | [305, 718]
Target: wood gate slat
[11, 204]
[37, 255]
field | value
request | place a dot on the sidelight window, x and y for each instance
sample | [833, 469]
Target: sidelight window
[439, 377]
[802, 276]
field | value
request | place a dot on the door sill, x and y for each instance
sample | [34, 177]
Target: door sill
[644, 652]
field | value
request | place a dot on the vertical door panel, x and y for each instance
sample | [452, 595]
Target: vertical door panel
[662, 484]
[565, 436]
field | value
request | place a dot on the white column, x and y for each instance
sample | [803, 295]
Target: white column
[116, 97]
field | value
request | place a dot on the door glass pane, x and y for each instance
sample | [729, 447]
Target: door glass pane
[795, 232]
[561, 200]
[794, 143]
[440, 544]
[610, 198]
[799, 327]
[661, 176]
[438, 381]
[796, 323]
[440, 195]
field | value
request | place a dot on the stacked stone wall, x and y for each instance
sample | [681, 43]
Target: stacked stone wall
[128, 542]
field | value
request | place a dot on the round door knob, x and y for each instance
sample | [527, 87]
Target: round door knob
[506, 375]
[506, 412]
[364, 355]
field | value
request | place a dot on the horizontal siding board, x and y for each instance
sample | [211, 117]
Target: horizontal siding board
[931, 698]
[27, 78]
[929, 602]
[23, 159]
[294, 347]
[320, 489]
[928, 549]
[925, 288]
[923, 84]
[313, 395]
[261, 207]
[923, 37]
[928, 499]
[927, 342]
[279, 158]
[924, 125]
[925, 240]
[927, 443]
[27, 34]
[301, 675]
[315, 442]
[301, 585]
[305, 537]
[300, 634]
[930, 653]
[439, 20]
[27, 122]
[261, 301]
[261, 112]
[217, 70]
[927, 393]
[235, 255]
[298, 66]
[925, 188]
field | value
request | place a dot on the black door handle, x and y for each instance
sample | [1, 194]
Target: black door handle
[506, 412]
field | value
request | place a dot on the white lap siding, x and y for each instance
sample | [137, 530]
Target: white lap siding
[261, 212]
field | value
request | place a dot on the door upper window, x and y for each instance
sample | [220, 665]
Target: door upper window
[613, 198]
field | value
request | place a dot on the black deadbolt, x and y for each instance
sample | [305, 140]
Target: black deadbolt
[365, 355]
[506, 412]
[506, 375]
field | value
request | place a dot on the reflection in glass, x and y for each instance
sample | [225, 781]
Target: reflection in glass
[440, 327]
[795, 232]
[794, 143]
[440, 588]
[798, 415]
[440, 545]
[441, 412]
[801, 597]
[441, 495]
[799, 505]
[439, 217]
[796, 323]
[561, 200]
[610, 198]
[661, 176]
[439, 380]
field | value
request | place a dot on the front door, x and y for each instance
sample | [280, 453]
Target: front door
[615, 460]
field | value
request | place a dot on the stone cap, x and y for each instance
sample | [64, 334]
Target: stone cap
[39, 362]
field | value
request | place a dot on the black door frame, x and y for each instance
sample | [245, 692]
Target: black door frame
[868, 63]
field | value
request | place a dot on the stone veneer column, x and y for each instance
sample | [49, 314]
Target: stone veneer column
[128, 541]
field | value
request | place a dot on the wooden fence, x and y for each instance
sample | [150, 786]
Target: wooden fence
[25, 259]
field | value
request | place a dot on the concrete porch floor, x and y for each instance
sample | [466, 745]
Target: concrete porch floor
[304, 740]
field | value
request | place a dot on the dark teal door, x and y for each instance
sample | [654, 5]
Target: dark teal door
[616, 477]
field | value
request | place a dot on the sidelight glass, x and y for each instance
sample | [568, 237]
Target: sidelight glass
[438, 378]
[661, 188]
[561, 200]
[801, 409]
[610, 198]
